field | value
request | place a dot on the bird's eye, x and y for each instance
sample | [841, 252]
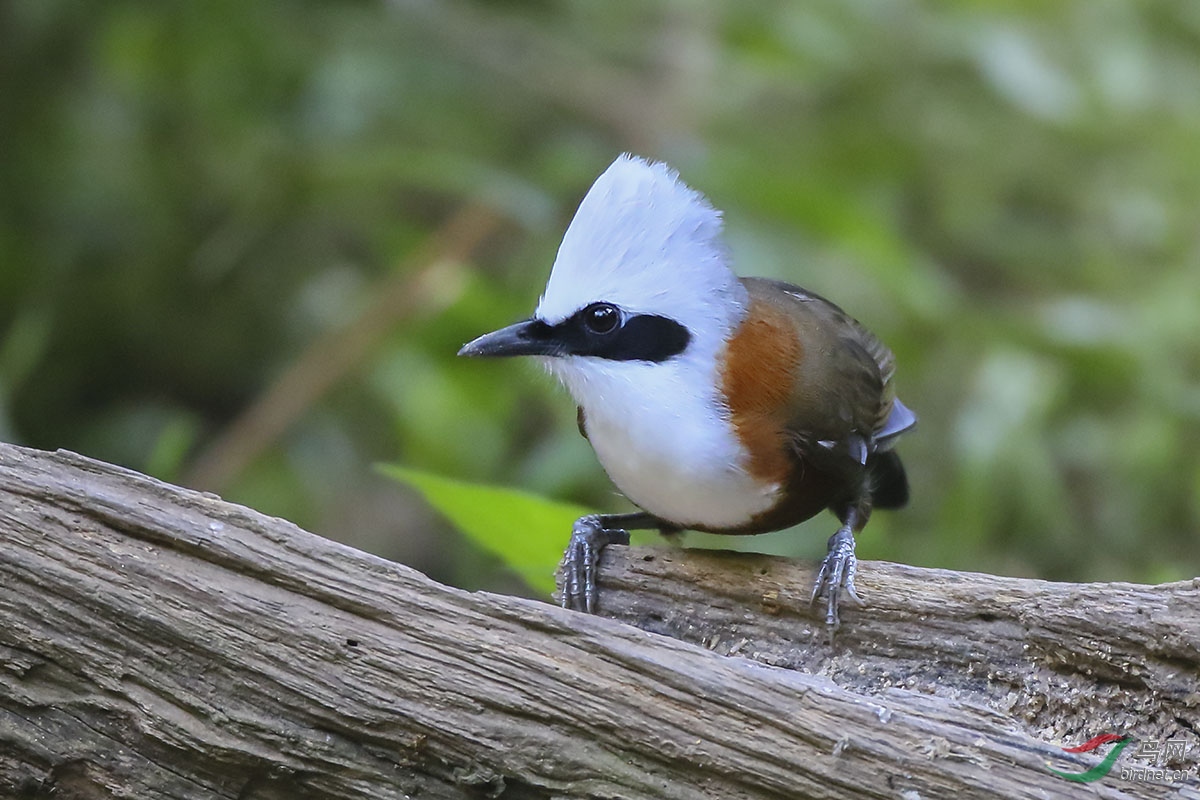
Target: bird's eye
[601, 318]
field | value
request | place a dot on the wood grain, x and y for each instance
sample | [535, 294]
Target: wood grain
[158, 642]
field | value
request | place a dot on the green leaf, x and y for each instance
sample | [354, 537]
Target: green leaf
[526, 531]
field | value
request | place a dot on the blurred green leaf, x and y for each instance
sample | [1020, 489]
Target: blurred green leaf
[175, 439]
[526, 531]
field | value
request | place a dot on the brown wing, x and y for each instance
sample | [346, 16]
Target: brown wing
[843, 381]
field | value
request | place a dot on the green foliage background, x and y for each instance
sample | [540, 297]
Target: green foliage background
[196, 196]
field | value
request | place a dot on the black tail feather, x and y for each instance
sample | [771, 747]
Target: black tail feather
[889, 484]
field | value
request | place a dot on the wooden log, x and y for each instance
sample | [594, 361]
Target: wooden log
[1064, 661]
[158, 642]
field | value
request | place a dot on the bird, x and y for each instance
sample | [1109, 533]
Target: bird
[715, 403]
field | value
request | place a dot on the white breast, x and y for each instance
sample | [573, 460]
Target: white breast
[665, 440]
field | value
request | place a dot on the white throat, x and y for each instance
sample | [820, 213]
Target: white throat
[664, 436]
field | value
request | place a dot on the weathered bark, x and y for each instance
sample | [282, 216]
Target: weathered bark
[158, 642]
[1064, 661]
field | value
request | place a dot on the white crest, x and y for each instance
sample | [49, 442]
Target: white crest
[644, 241]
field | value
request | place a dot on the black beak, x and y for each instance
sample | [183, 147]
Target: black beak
[529, 338]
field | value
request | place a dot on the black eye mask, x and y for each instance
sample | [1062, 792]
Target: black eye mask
[605, 331]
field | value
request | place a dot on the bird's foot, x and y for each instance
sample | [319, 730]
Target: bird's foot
[835, 580]
[589, 537]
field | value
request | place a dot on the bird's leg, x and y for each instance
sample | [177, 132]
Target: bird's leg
[836, 577]
[589, 537]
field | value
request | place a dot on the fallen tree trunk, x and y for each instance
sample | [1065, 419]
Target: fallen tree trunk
[1065, 661]
[158, 642]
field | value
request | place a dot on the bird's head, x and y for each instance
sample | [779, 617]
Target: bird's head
[641, 288]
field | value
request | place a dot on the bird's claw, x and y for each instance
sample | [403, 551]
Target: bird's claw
[835, 579]
[589, 537]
